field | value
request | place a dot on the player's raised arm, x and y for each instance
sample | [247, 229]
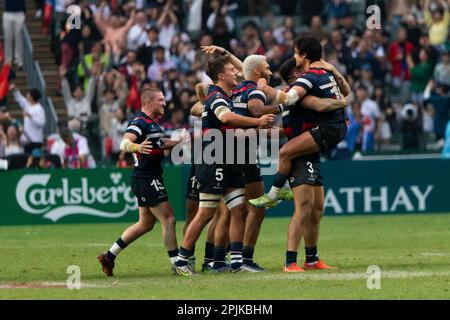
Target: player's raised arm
[235, 61]
[281, 97]
[128, 145]
[323, 105]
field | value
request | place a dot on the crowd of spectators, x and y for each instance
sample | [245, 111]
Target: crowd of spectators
[399, 70]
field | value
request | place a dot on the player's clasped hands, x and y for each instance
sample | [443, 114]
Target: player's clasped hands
[266, 121]
[146, 147]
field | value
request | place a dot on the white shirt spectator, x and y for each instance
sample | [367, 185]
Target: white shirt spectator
[369, 108]
[116, 133]
[80, 109]
[13, 149]
[137, 36]
[33, 126]
[166, 34]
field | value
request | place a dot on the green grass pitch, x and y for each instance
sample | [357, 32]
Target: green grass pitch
[412, 251]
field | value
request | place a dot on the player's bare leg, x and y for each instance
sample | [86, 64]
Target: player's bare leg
[235, 201]
[145, 224]
[221, 238]
[191, 211]
[164, 213]
[301, 145]
[253, 223]
[311, 233]
[205, 213]
[304, 205]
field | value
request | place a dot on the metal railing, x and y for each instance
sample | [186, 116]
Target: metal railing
[36, 80]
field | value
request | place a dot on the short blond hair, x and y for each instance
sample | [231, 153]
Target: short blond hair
[250, 63]
[149, 93]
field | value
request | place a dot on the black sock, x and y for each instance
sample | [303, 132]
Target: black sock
[209, 252]
[280, 180]
[311, 254]
[119, 246]
[172, 253]
[247, 254]
[236, 254]
[291, 257]
[219, 257]
[183, 257]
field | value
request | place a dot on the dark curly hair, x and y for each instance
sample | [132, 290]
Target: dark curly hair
[310, 46]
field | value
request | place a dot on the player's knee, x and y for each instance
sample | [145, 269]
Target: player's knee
[306, 209]
[284, 154]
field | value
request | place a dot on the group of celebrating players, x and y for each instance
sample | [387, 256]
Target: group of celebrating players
[229, 197]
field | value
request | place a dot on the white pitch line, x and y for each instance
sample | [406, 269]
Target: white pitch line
[45, 285]
[320, 276]
[435, 254]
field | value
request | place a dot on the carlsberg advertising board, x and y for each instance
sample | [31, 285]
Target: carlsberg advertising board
[71, 196]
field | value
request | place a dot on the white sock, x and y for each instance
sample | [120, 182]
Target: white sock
[173, 259]
[115, 249]
[273, 193]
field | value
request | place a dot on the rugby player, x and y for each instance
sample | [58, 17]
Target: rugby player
[309, 133]
[218, 179]
[145, 139]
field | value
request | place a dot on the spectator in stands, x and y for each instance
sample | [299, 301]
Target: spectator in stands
[167, 25]
[118, 128]
[437, 21]
[371, 119]
[113, 81]
[442, 70]
[78, 103]
[317, 29]
[76, 152]
[182, 53]
[220, 24]
[5, 76]
[397, 9]
[13, 22]
[34, 118]
[69, 39]
[353, 137]
[350, 33]
[288, 24]
[250, 36]
[85, 67]
[398, 52]
[159, 68]
[440, 100]
[146, 51]
[113, 29]
[137, 35]
[421, 73]
[338, 9]
[310, 8]
[11, 141]
[107, 110]
[87, 41]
